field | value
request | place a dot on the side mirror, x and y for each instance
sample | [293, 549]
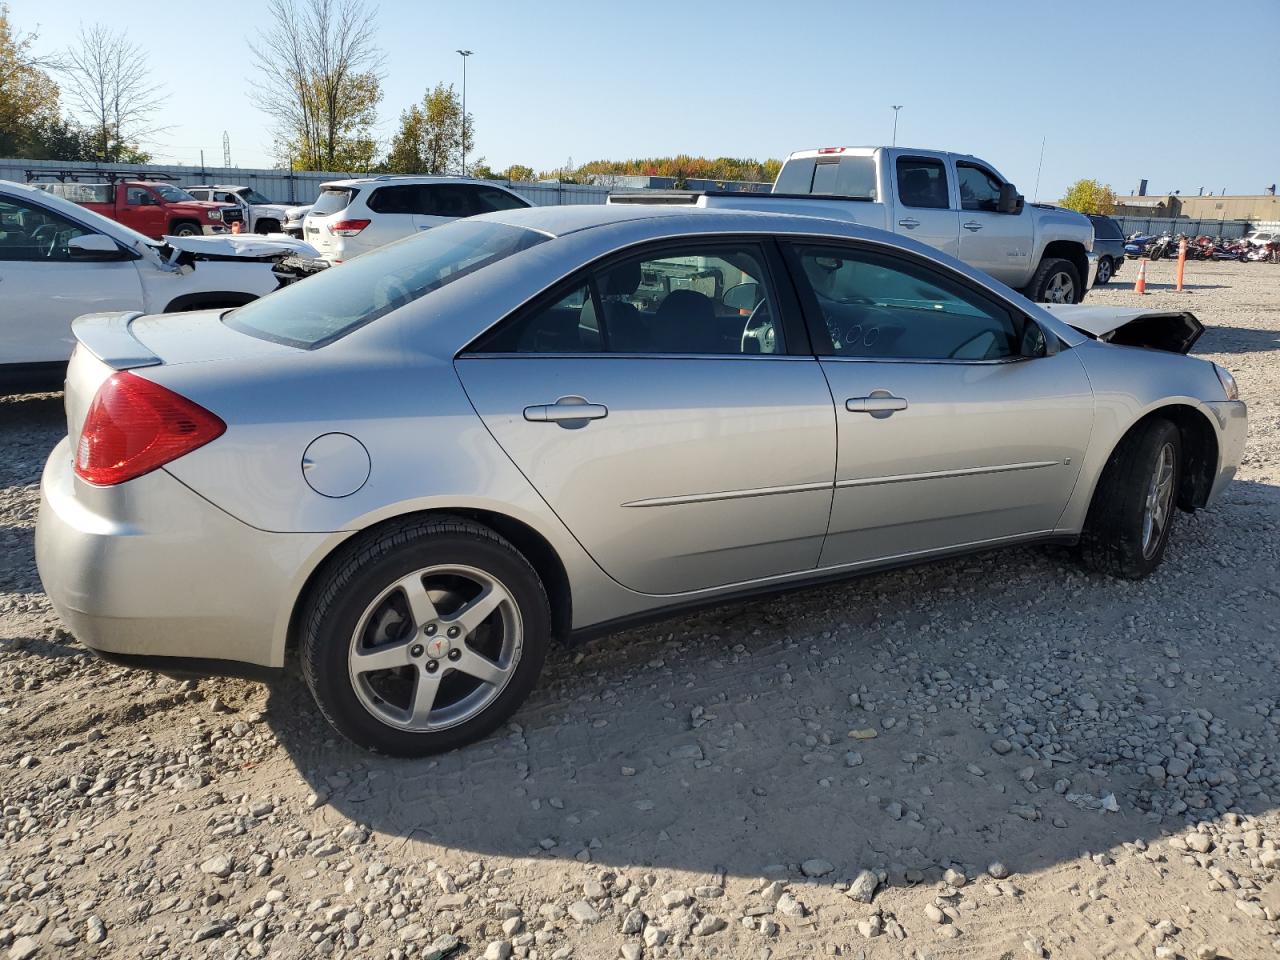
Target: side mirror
[1010, 200]
[743, 296]
[1034, 341]
[94, 246]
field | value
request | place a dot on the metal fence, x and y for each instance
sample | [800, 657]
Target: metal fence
[284, 186]
[1227, 229]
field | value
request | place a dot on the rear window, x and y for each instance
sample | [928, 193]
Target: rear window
[328, 306]
[332, 200]
[1104, 228]
[853, 177]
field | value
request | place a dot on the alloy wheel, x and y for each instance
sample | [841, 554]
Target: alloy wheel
[1159, 502]
[435, 648]
[1104, 270]
[1060, 289]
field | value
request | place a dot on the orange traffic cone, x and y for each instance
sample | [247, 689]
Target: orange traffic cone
[235, 227]
[1141, 285]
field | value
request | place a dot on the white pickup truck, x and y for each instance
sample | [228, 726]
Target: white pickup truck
[957, 203]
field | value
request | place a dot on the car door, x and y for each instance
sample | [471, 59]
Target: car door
[667, 406]
[42, 290]
[394, 215]
[960, 422]
[999, 243]
[925, 210]
[145, 213]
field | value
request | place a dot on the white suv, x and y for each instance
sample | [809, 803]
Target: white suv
[352, 217]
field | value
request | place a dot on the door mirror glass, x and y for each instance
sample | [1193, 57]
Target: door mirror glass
[1034, 343]
[1010, 200]
[93, 246]
[742, 296]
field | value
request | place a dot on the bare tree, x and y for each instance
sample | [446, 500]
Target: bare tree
[320, 81]
[109, 87]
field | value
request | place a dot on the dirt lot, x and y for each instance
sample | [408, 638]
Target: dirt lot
[1000, 756]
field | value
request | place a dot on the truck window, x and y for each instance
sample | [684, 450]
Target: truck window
[922, 182]
[853, 177]
[979, 188]
[172, 194]
[136, 195]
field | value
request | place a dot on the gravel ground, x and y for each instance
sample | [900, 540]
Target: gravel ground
[999, 756]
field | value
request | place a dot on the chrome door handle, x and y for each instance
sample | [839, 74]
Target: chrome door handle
[567, 411]
[910, 223]
[881, 403]
[972, 225]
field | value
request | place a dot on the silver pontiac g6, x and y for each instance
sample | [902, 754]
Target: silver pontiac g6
[421, 467]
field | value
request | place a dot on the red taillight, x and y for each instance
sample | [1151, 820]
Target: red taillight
[134, 426]
[347, 228]
[831, 150]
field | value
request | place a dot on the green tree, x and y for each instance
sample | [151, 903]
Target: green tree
[1090, 196]
[320, 82]
[430, 136]
[519, 172]
[28, 95]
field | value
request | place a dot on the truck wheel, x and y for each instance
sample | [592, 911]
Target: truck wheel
[1104, 270]
[1134, 505]
[1055, 281]
[266, 226]
[186, 229]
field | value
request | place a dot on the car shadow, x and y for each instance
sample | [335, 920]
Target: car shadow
[1223, 339]
[721, 741]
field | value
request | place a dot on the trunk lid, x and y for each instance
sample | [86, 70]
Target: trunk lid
[1174, 331]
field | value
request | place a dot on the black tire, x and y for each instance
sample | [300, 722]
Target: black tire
[1048, 273]
[186, 228]
[364, 569]
[1112, 541]
[1105, 271]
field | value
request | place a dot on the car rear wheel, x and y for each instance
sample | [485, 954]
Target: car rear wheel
[1055, 281]
[1105, 271]
[1134, 506]
[425, 637]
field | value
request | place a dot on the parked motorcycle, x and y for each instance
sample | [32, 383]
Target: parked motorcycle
[1136, 246]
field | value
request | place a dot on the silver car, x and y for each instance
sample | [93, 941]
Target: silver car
[421, 468]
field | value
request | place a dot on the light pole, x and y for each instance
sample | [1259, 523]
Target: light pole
[896, 108]
[464, 54]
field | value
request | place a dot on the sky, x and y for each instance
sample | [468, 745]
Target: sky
[1180, 93]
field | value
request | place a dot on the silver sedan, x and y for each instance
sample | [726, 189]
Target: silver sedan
[421, 468]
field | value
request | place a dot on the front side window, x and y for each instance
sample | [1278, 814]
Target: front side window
[979, 189]
[172, 194]
[137, 195]
[877, 305]
[703, 299]
[922, 182]
[335, 302]
[28, 232]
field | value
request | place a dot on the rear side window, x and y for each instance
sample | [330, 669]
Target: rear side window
[333, 200]
[446, 200]
[491, 199]
[922, 182]
[331, 304]
[400, 199]
[1104, 228]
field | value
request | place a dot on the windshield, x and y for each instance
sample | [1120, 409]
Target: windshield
[329, 305]
[253, 196]
[333, 199]
[172, 194]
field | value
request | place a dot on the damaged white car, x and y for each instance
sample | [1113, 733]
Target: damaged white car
[59, 260]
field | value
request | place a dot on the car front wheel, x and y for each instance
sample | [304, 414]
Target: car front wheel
[425, 636]
[1135, 503]
[1055, 281]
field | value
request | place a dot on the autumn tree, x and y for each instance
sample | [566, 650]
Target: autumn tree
[519, 173]
[1090, 196]
[429, 140]
[28, 95]
[320, 82]
[110, 89]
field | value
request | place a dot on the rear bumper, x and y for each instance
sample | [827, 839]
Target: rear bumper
[1233, 429]
[151, 571]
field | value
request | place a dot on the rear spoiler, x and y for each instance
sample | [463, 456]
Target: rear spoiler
[108, 337]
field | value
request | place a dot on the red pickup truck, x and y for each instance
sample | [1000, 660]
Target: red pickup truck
[152, 208]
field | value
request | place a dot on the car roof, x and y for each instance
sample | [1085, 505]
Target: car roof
[409, 179]
[216, 186]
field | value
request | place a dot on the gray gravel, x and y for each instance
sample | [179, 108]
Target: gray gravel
[996, 756]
